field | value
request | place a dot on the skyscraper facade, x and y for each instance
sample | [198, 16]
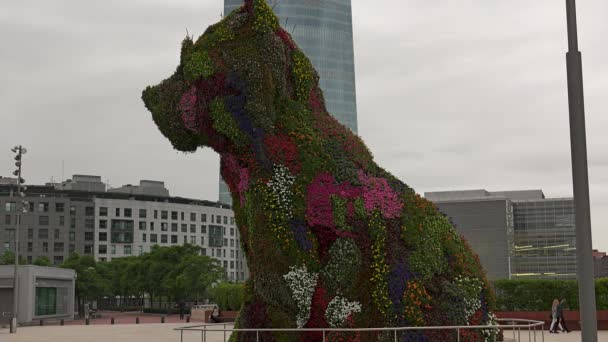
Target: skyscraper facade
[323, 30]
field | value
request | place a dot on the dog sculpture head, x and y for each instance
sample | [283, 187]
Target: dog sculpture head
[232, 83]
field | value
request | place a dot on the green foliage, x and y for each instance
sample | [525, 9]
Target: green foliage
[227, 296]
[90, 282]
[379, 266]
[265, 19]
[224, 123]
[427, 257]
[303, 74]
[42, 261]
[8, 258]
[538, 294]
[198, 64]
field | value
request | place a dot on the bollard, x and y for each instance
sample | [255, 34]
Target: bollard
[61, 322]
[136, 320]
[86, 321]
[162, 319]
[41, 322]
[112, 320]
[188, 319]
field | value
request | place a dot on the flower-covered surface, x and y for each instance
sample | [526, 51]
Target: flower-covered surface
[332, 239]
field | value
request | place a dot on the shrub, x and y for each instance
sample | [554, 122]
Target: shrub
[228, 296]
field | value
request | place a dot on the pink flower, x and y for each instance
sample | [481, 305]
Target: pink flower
[377, 194]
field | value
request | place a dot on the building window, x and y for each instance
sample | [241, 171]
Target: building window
[30, 234]
[58, 247]
[225, 243]
[72, 210]
[142, 213]
[103, 211]
[192, 228]
[45, 247]
[121, 231]
[203, 229]
[193, 240]
[103, 249]
[141, 249]
[59, 207]
[163, 238]
[215, 236]
[30, 247]
[232, 253]
[184, 228]
[174, 215]
[143, 237]
[43, 220]
[43, 233]
[231, 231]
[89, 211]
[164, 214]
[88, 249]
[103, 224]
[103, 236]
[202, 240]
[218, 219]
[88, 236]
[72, 222]
[43, 207]
[174, 227]
[127, 249]
[192, 217]
[72, 236]
[46, 301]
[7, 219]
[203, 217]
[153, 238]
[225, 219]
[61, 220]
[151, 226]
[89, 223]
[164, 226]
[117, 212]
[231, 264]
[10, 206]
[232, 220]
[142, 225]
[204, 251]
[183, 216]
[113, 249]
[128, 212]
[57, 234]
[212, 219]
[231, 242]
[173, 238]
[155, 214]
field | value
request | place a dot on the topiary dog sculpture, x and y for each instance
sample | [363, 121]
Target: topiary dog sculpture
[331, 239]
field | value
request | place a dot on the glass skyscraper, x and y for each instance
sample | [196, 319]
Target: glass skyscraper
[323, 30]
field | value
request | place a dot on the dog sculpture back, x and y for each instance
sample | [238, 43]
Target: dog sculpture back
[331, 239]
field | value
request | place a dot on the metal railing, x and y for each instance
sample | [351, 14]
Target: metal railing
[515, 324]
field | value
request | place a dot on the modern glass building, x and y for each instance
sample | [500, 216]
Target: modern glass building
[323, 30]
[544, 239]
[517, 234]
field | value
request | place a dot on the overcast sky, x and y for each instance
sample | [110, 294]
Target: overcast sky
[453, 94]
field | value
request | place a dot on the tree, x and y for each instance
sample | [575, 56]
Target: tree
[89, 283]
[8, 258]
[42, 261]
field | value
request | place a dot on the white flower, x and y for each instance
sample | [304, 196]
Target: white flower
[338, 311]
[280, 186]
[302, 285]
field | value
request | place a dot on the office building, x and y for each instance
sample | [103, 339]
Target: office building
[600, 264]
[119, 222]
[44, 293]
[517, 234]
[324, 31]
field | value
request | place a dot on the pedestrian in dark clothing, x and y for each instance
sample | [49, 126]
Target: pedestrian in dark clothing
[181, 310]
[560, 316]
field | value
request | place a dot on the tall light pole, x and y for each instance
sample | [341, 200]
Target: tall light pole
[21, 207]
[580, 181]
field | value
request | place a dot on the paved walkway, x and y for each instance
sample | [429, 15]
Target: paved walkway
[165, 333]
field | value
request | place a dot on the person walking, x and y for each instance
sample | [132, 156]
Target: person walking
[560, 316]
[554, 317]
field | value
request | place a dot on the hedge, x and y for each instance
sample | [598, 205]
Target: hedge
[537, 295]
[228, 296]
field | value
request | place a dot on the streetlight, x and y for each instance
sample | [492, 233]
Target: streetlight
[21, 208]
[580, 180]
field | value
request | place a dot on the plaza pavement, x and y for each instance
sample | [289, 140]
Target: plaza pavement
[165, 333]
